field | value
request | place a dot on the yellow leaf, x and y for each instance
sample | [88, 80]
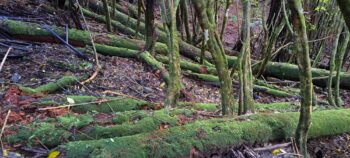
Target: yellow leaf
[338, 150]
[349, 146]
[5, 152]
[53, 154]
[276, 151]
[162, 85]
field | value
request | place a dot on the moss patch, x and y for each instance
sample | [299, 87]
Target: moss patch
[209, 134]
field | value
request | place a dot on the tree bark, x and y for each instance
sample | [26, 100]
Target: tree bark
[306, 88]
[345, 9]
[246, 101]
[150, 26]
[168, 10]
[205, 13]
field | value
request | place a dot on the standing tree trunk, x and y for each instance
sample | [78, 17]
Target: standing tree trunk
[150, 26]
[168, 10]
[108, 17]
[246, 101]
[184, 15]
[306, 87]
[339, 65]
[344, 6]
[330, 97]
[224, 22]
[206, 17]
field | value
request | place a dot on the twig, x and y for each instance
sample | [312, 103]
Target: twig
[98, 66]
[71, 105]
[5, 122]
[273, 147]
[77, 52]
[2, 130]
[295, 147]
[4, 59]
[119, 94]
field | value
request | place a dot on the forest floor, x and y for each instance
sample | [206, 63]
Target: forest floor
[33, 64]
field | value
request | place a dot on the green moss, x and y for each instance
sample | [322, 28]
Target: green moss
[199, 106]
[70, 121]
[52, 86]
[108, 104]
[281, 107]
[210, 134]
[45, 133]
[81, 127]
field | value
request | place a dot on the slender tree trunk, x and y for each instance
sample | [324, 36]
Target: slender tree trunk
[224, 23]
[338, 67]
[330, 96]
[344, 6]
[206, 16]
[108, 17]
[184, 15]
[113, 7]
[150, 26]
[306, 87]
[246, 102]
[168, 10]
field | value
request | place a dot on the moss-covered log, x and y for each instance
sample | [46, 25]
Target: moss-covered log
[53, 132]
[108, 104]
[129, 53]
[56, 131]
[210, 134]
[33, 32]
[52, 86]
[214, 80]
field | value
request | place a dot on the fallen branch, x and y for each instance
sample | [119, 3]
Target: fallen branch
[5, 57]
[52, 86]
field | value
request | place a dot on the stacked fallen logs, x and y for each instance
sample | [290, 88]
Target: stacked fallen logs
[209, 135]
[123, 46]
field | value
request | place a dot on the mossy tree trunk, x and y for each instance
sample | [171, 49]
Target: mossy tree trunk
[306, 88]
[224, 22]
[184, 16]
[108, 17]
[205, 13]
[338, 66]
[345, 9]
[150, 26]
[246, 101]
[332, 62]
[168, 11]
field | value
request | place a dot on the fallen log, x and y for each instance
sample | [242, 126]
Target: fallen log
[52, 86]
[33, 32]
[54, 132]
[130, 48]
[274, 69]
[211, 134]
[214, 80]
[108, 104]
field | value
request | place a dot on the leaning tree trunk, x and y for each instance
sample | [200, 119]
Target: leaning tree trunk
[246, 101]
[306, 88]
[205, 13]
[168, 9]
[345, 9]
